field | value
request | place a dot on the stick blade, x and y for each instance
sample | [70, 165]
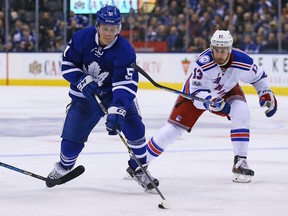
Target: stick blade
[68, 177]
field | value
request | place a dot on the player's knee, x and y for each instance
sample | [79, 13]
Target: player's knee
[240, 114]
[168, 133]
[134, 128]
[71, 148]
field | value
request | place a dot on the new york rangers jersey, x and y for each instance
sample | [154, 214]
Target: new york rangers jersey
[208, 78]
[110, 66]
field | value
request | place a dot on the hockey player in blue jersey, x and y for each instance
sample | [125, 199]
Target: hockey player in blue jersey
[215, 75]
[97, 61]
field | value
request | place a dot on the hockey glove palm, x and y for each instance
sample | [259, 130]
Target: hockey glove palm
[223, 109]
[267, 99]
[115, 120]
[88, 87]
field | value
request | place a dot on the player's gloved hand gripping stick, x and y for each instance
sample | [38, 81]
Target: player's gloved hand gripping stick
[191, 97]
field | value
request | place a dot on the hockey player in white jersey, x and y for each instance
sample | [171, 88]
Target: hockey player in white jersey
[215, 75]
[97, 61]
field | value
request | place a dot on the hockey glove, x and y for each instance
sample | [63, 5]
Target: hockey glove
[115, 120]
[267, 99]
[223, 109]
[88, 87]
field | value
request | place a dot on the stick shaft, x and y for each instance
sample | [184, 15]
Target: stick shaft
[121, 135]
[188, 96]
[25, 172]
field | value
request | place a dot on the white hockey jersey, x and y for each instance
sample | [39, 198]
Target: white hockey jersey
[208, 78]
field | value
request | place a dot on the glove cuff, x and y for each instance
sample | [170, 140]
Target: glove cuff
[85, 81]
[264, 91]
[116, 110]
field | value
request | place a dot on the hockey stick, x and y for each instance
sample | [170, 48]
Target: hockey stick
[188, 96]
[164, 203]
[52, 182]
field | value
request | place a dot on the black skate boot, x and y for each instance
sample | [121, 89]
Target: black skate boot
[141, 178]
[241, 170]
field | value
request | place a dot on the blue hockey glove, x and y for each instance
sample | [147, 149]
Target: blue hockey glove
[267, 99]
[223, 109]
[115, 120]
[88, 87]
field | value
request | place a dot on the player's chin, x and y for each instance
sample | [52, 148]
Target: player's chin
[220, 62]
[107, 41]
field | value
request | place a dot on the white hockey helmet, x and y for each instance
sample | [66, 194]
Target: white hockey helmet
[221, 38]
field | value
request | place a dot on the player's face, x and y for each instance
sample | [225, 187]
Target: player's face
[221, 54]
[107, 33]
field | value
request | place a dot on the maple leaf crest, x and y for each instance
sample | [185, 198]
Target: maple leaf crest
[94, 70]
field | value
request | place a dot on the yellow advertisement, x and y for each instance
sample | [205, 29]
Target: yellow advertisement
[146, 6]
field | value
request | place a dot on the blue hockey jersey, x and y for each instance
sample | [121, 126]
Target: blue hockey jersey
[110, 66]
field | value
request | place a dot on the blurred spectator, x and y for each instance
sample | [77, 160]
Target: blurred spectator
[24, 39]
[2, 31]
[175, 40]
[72, 28]
[260, 43]
[49, 42]
[80, 20]
[59, 45]
[9, 47]
[248, 44]
[194, 24]
[272, 43]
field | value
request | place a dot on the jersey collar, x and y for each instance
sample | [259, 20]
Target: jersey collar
[109, 45]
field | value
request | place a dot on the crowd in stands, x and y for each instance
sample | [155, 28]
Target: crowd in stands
[254, 25]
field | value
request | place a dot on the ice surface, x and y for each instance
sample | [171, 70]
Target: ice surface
[194, 173]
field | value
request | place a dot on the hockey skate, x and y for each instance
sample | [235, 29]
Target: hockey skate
[242, 173]
[142, 179]
[56, 173]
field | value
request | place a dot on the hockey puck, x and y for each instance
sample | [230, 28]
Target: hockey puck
[163, 205]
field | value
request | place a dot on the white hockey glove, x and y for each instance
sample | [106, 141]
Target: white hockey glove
[115, 120]
[267, 99]
[223, 109]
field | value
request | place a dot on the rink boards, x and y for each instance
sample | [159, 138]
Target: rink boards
[169, 69]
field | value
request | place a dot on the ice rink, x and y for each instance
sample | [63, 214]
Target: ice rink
[194, 173]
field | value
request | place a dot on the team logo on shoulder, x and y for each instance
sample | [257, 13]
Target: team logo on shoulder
[204, 59]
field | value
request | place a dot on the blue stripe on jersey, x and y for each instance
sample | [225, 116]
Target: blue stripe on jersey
[209, 68]
[241, 68]
[264, 75]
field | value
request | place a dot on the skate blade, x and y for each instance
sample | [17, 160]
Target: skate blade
[239, 178]
[151, 191]
[128, 177]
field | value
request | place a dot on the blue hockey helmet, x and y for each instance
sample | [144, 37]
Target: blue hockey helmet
[109, 15]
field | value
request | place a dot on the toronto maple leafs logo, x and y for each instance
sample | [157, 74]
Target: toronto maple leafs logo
[95, 70]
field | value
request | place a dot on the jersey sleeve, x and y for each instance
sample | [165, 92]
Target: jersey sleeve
[72, 60]
[257, 77]
[125, 78]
